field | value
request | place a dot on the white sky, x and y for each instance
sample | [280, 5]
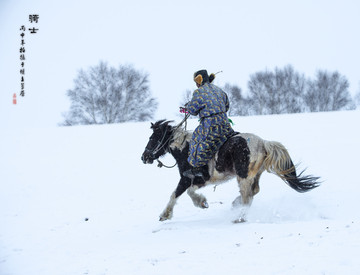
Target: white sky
[170, 40]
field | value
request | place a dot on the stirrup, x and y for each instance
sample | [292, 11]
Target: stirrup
[193, 172]
[189, 174]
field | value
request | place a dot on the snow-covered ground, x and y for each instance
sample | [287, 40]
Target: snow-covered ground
[79, 201]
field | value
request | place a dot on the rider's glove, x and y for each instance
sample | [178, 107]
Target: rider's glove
[183, 110]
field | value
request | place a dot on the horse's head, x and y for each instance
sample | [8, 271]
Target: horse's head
[158, 142]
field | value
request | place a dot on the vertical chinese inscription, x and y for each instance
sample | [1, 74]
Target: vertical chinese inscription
[33, 19]
[22, 60]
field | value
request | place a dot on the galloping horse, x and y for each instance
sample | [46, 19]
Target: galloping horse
[244, 156]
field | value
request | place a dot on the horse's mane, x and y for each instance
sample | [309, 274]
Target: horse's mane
[160, 123]
[180, 138]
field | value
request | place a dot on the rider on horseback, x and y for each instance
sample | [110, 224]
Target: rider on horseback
[211, 104]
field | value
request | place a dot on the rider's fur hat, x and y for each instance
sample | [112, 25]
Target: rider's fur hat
[201, 77]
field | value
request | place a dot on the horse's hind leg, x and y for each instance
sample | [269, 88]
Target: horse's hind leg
[243, 202]
[184, 184]
[198, 199]
[255, 189]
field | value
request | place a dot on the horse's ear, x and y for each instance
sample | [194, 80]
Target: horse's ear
[168, 122]
[152, 125]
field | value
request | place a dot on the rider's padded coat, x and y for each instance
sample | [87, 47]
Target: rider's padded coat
[211, 104]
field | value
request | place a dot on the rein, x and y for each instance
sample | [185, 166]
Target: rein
[160, 164]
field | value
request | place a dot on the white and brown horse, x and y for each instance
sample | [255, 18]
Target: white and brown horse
[244, 156]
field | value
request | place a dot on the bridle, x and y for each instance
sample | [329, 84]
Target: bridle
[161, 143]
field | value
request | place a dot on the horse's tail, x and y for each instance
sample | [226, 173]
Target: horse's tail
[278, 162]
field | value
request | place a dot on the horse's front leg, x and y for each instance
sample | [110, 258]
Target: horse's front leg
[183, 184]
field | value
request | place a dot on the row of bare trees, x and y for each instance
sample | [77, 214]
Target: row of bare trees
[103, 94]
[286, 91]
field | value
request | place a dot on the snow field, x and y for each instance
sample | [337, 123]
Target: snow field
[79, 200]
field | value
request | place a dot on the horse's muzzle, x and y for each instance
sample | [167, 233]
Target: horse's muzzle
[147, 157]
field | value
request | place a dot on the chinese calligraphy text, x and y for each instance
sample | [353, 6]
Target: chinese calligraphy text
[33, 19]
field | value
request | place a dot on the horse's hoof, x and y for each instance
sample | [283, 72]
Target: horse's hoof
[164, 218]
[204, 204]
[240, 220]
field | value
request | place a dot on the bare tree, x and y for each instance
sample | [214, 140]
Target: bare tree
[277, 92]
[239, 105]
[186, 97]
[103, 94]
[292, 88]
[328, 92]
[357, 98]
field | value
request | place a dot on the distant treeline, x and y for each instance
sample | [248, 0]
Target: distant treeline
[284, 91]
[103, 94]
